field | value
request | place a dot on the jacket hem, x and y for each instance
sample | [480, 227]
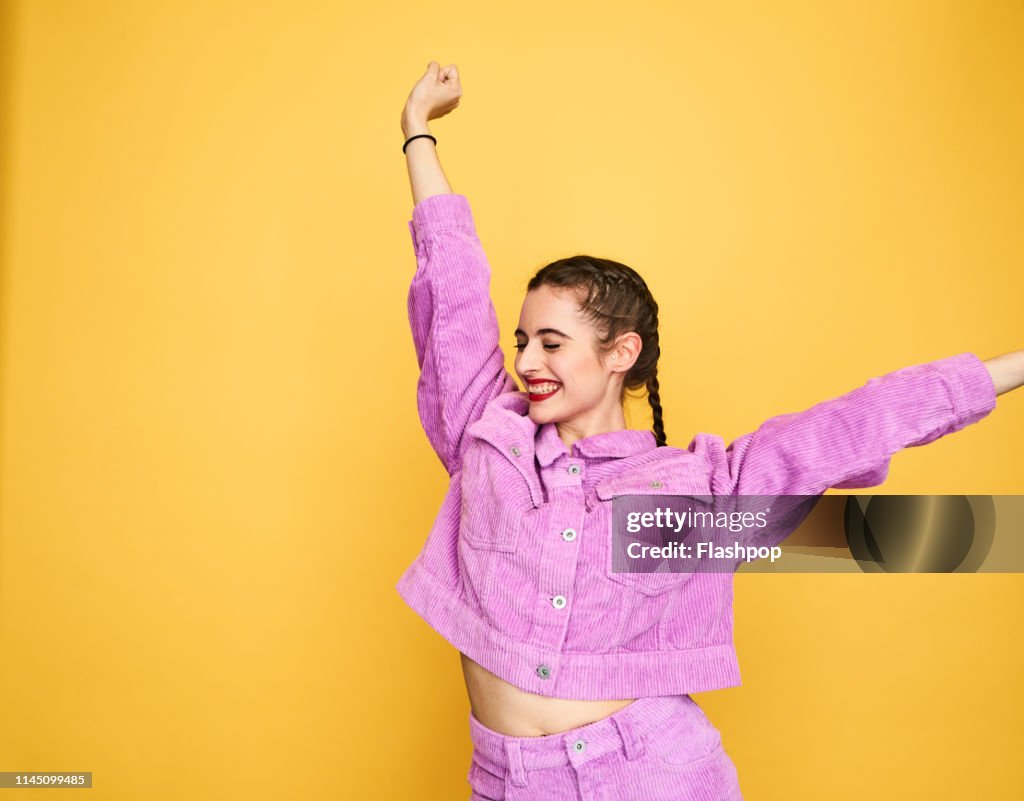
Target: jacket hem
[584, 677]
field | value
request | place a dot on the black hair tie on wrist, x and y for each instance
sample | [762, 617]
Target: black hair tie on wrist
[407, 141]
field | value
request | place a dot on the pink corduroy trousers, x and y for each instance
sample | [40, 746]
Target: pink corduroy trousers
[661, 748]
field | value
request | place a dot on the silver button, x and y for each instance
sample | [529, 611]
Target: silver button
[656, 484]
[543, 671]
[574, 469]
[579, 746]
[558, 601]
[514, 450]
[569, 534]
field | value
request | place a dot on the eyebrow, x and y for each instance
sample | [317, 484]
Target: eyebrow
[520, 332]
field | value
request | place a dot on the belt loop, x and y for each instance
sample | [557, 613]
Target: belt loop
[631, 740]
[514, 757]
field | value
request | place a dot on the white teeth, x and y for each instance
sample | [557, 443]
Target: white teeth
[543, 389]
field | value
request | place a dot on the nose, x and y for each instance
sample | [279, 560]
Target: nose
[527, 360]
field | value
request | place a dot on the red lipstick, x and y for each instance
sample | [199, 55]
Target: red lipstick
[532, 382]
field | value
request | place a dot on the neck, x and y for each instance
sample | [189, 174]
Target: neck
[571, 431]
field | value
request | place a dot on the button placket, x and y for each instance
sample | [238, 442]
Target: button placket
[565, 495]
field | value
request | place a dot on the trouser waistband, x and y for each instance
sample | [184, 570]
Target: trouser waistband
[622, 729]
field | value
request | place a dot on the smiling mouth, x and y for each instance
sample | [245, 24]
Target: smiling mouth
[539, 392]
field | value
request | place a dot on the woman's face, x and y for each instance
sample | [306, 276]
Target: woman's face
[559, 366]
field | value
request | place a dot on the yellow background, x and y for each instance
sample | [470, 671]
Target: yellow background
[212, 472]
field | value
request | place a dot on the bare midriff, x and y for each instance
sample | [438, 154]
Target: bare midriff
[505, 708]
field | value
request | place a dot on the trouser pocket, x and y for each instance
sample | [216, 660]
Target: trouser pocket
[485, 784]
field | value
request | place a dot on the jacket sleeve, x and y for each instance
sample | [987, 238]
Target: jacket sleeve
[454, 326]
[847, 442]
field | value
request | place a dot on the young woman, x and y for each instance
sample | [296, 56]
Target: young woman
[579, 675]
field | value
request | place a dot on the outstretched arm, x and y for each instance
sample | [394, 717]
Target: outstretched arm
[847, 442]
[1007, 371]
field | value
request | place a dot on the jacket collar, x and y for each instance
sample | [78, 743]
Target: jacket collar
[609, 445]
[506, 422]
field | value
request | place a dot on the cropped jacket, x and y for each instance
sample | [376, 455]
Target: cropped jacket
[516, 571]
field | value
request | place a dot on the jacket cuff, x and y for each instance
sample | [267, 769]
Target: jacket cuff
[442, 211]
[439, 213]
[970, 386]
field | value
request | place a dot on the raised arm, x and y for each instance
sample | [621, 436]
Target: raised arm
[847, 442]
[454, 326]
[434, 95]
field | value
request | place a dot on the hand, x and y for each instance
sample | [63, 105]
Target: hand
[434, 95]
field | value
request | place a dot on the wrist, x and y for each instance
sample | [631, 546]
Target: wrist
[414, 122]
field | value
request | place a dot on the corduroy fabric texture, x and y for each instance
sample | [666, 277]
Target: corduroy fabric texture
[656, 749]
[516, 571]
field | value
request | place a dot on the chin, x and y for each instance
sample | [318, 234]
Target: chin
[540, 415]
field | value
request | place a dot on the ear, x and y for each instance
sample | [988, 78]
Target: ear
[625, 352]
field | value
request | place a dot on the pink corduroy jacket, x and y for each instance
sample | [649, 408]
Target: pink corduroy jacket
[516, 571]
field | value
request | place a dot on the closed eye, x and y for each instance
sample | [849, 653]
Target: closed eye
[546, 347]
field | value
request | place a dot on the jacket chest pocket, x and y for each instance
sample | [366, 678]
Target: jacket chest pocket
[630, 496]
[629, 565]
[491, 526]
[495, 499]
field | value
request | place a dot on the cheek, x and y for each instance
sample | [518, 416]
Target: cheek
[579, 375]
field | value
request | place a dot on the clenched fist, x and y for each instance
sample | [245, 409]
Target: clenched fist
[434, 95]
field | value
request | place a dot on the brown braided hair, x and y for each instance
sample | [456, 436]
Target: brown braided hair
[616, 300]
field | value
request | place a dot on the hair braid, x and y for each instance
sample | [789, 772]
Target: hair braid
[653, 388]
[654, 398]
